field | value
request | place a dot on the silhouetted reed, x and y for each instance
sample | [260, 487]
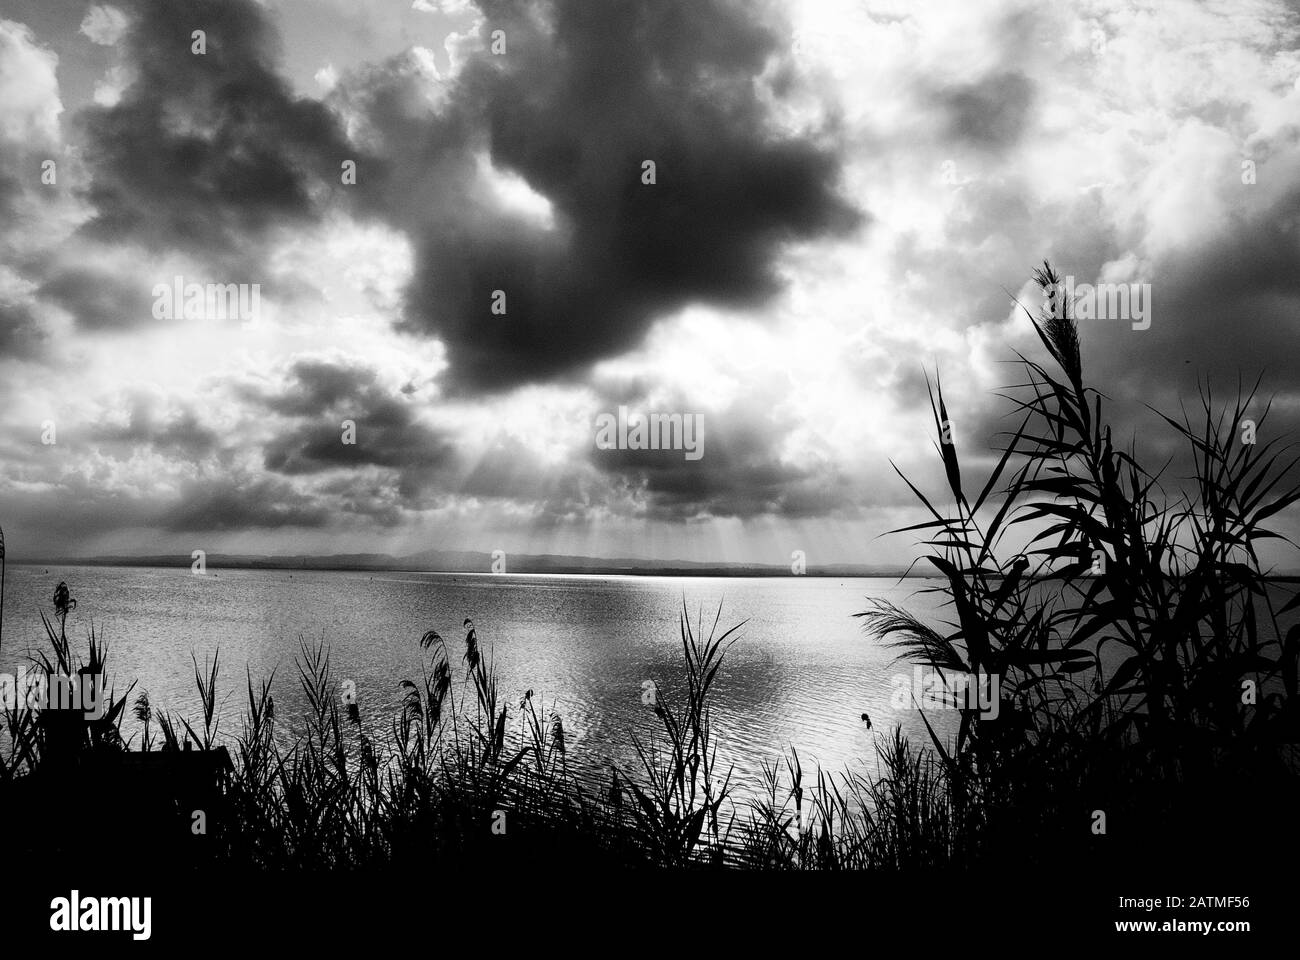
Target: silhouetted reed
[1126, 630]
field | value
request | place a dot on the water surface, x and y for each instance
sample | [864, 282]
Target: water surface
[800, 673]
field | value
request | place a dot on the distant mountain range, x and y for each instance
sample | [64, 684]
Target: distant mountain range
[465, 561]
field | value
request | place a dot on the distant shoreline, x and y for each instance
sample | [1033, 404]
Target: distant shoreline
[547, 567]
[749, 572]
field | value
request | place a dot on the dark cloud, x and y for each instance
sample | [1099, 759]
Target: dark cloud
[172, 431]
[206, 152]
[79, 511]
[386, 437]
[741, 470]
[367, 497]
[99, 299]
[388, 433]
[735, 478]
[319, 386]
[228, 504]
[1224, 308]
[574, 108]
[68, 514]
[20, 334]
[209, 153]
[24, 203]
[10, 186]
[990, 114]
[1233, 301]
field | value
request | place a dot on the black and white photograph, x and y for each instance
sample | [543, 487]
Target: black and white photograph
[476, 469]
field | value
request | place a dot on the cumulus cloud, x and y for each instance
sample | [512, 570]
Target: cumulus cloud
[109, 88]
[104, 24]
[386, 430]
[29, 88]
[206, 153]
[232, 503]
[98, 298]
[327, 76]
[582, 100]
[449, 8]
[20, 333]
[990, 113]
[30, 138]
[149, 422]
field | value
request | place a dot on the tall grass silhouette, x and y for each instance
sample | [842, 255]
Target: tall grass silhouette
[1127, 629]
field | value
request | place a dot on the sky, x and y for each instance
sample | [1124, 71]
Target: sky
[459, 250]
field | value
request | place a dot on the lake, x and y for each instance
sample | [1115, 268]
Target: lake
[800, 673]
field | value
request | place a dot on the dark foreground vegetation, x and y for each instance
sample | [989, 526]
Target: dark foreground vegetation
[1147, 670]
